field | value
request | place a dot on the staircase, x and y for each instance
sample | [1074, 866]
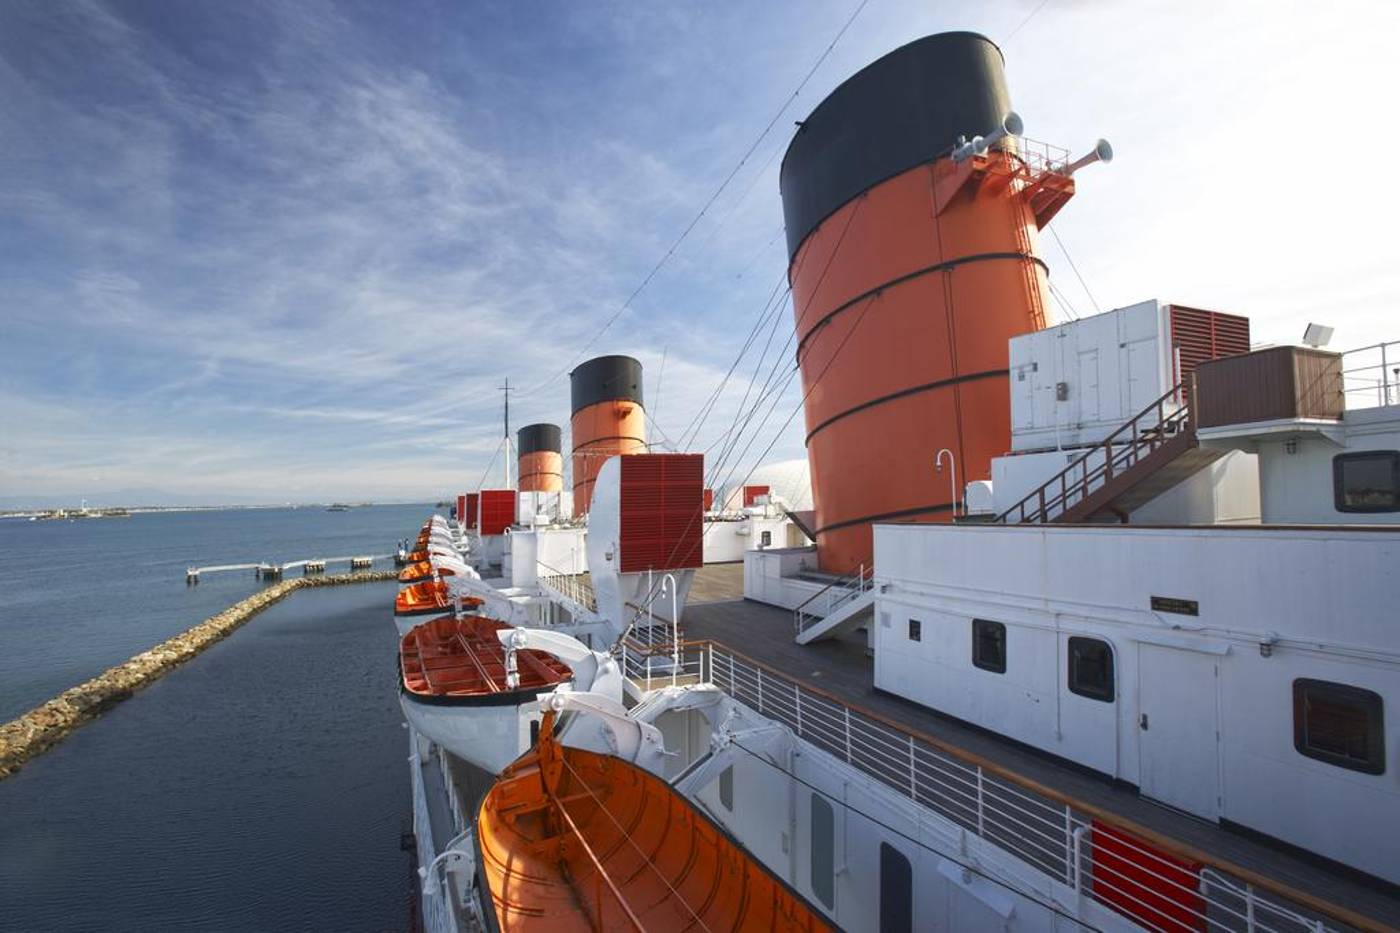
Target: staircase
[1144, 458]
[839, 607]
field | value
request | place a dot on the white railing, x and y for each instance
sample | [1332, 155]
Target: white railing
[832, 597]
[1094, 855]
[438, 915]
[1371, 375]
[574, 587]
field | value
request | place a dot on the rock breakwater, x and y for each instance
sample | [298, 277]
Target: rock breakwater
[44, 726]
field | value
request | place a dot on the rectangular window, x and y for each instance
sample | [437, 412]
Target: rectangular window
[1091, 668]
[765, 539]
[896, 891]
[1367, 482]
[989, 646]
[1339, 724]
[823, 851]
[916, 630]
[726, 788]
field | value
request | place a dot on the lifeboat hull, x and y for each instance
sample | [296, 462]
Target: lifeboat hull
[487, 732]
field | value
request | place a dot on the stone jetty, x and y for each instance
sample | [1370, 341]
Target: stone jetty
[44, 726]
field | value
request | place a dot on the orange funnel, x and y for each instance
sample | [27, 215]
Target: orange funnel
[909, 273]
[541, 463]
[608, 419]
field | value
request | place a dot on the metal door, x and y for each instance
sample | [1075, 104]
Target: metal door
[1088, 386]
[1178, 729]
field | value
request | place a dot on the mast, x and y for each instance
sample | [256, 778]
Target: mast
[505, 389]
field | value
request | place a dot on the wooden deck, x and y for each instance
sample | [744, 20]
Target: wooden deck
[717, 610]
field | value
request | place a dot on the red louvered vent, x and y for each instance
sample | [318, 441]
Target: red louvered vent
[751, 494]
[471, 509]
[661, 518]
[709, 500]
[497, 510]
[461, 513]
[1198, 336]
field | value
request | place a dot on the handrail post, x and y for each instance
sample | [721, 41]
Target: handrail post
[847, 710]
[1069, 840]
[913, 788]
[797, 703]
[760, 689]
[981, 802]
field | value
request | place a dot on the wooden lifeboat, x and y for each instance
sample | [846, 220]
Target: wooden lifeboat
[454, 689]
[575, 840]
[426, 599]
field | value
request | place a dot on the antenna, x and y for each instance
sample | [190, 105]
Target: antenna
[506, 390]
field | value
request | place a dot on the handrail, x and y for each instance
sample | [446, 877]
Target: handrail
[1130, 438]
[788, 697]
[854, 584]
[567, 585]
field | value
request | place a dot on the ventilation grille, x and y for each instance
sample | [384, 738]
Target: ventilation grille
[1199, 336]
[661, 518]
[497, 510]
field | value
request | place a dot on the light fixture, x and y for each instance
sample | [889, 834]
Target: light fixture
[1291, 445]
[1317, 335]
[1266, 644]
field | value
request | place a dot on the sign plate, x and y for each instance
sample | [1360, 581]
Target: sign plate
[1181, 607]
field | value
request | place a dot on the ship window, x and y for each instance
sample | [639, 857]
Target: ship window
[1339, 724]
[989, 646]
[765, 539]
[1091, 668]
[534, 732]
[896, 891]
[1367, 481]
[823, 851]
[726, 788]
[916, 630]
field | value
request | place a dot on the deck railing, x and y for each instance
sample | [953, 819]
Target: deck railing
[1371, 375]
[1154, 881]
[574, 587]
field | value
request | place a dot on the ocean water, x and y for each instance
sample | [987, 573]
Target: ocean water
[262, 786]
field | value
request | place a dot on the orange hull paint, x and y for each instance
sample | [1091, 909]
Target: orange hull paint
[448, 657]
[431, 596]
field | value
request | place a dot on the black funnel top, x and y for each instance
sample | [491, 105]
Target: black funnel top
[902, 110]
[606, 378]
[536, 437]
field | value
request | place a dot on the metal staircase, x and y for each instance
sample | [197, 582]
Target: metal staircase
[836, 608]
[1144, 458]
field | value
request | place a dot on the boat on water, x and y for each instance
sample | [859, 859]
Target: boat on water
[1088, 627]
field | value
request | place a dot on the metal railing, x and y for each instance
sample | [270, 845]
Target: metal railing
[574, 587]
[1151, 428]
[1153, 881]
[832, 597]
[1371, 375]
[438, 915]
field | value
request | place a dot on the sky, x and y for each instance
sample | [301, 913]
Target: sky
[257, 252]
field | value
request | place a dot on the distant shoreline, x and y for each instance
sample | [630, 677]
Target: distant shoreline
[40, 512]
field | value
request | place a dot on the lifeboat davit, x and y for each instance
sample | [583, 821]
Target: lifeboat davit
[454, 689]
[426, 599]
[423, 570]
[576, 840]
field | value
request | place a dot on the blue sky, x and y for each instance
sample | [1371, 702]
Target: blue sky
[273, 252]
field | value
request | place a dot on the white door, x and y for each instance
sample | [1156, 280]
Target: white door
[1088, 386]
[1144, 377]
[1178, 723]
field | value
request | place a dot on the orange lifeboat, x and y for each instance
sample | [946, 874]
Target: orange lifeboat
[576, 840]
[456, 689]
[424, 599]
[422, 570]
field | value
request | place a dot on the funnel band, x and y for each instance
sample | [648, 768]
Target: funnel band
[886, 516]
[912, 390]
[910, 276]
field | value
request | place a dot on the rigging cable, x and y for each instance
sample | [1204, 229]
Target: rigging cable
[708, 204]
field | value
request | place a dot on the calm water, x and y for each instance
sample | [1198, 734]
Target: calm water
[261, 786]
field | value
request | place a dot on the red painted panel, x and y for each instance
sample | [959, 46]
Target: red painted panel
[751, 494]
[709, 500]
[1154, 889]
[471, 509]
[1198, 336]
[497, 510]
[662, 522]
[461, 513]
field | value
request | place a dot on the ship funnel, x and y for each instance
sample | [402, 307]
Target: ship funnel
[541, 463]
[608, 418]
[1011, 125]
[910, 270]
[1102, 152]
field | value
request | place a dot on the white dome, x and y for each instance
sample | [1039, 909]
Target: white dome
[790, 479]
